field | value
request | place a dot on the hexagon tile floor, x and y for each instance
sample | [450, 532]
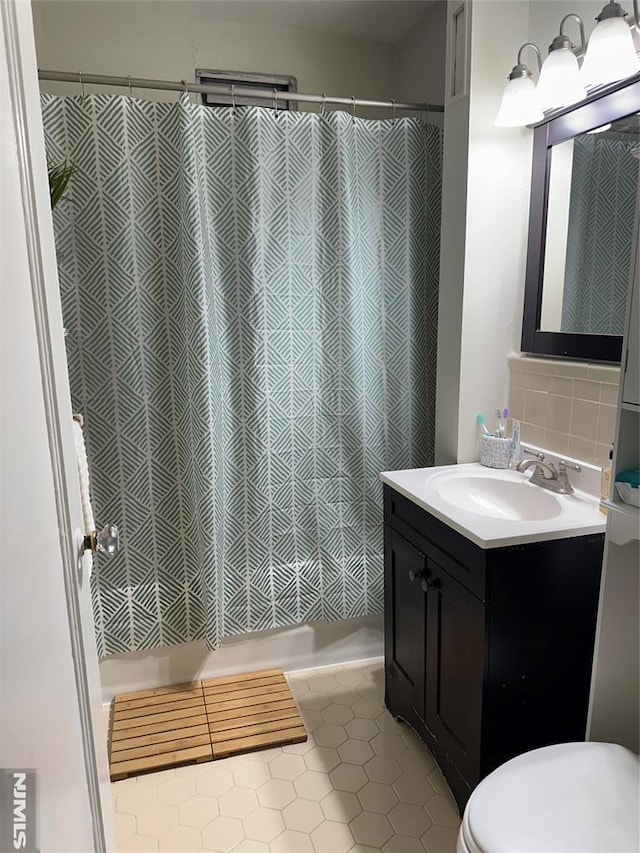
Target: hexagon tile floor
[362, 783]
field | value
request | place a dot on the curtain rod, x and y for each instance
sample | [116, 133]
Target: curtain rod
[238, 91]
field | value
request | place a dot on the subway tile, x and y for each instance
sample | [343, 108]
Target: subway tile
[537, 382]
[584, 419]
[535, 407]
[561, 385]
[558, 414]
[609, 394]
[604, 373]
[583, 389]
[557, 442]
[516, 402]
[606, 424]
[537, 365]
[531, 434]
[572, 369]
[582, 450]
[602, 454]
[518, 378]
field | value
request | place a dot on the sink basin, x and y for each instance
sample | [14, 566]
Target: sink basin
[497, 498]
[496, 508]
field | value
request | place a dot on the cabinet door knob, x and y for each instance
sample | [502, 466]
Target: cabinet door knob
[425, 585]
[433, 583]
[412, 575]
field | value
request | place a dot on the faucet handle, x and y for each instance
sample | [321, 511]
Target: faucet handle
[563, 465]
[538, 454]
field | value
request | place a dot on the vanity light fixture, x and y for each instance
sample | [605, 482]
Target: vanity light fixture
[520, 103]
[600, 129]
[611, 54]
[560, 83]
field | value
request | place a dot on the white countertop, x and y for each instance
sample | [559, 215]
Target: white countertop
[503, 522]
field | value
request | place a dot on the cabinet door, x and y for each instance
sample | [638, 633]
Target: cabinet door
[454, 669]
[405, 606]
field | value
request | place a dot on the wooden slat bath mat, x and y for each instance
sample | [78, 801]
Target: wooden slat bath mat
[201, 721]
[251, 711]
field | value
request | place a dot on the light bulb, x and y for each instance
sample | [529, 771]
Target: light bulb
[560, 83]
[519, 105]
[611, 54]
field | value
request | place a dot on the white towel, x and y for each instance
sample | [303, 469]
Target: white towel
[85, 492]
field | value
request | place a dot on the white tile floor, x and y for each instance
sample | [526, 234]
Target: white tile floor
[362, 783]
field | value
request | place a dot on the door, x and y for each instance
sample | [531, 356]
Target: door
[405, 617]
[454, 669]
[50, 715]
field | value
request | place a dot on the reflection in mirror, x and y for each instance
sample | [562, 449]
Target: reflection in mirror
[593, 196]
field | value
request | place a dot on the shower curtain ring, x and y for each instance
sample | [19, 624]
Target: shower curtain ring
[130, 87]
[275, 99]
[81, 84]
[233, 98]
[324, 103]
[393, 111]
[353, 107]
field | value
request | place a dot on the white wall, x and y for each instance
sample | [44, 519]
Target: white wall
[452, 260]
[421, 58]
[545, 17]
[485, 218]
[485, 206]
[110, 38]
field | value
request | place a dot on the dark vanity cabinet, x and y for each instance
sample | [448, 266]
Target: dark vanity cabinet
[487, 652]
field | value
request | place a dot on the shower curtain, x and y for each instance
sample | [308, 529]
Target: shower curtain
[250, 299]
[604, 196]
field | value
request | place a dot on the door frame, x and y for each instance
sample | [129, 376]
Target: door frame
[25, 120]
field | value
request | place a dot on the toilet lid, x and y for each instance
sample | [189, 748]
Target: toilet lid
[581, 797]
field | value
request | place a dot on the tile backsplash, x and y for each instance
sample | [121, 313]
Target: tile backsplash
[565, 406]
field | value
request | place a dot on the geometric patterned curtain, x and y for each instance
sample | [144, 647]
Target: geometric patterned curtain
[250, 299]
[604, 197]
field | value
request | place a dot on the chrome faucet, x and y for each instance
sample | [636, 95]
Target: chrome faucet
[546, 476]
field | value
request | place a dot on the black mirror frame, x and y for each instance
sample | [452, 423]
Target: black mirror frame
[605, 105]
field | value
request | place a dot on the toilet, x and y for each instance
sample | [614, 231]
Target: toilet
[568, 798]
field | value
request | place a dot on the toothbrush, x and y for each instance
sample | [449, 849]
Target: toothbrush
[480, 422]
[515, 442]
[501, 415]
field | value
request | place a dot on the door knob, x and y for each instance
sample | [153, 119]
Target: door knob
[106, 540]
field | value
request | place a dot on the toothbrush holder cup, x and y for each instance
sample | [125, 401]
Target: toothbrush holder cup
[495, 452]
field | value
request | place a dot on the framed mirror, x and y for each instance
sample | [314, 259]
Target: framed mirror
[584, 199]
